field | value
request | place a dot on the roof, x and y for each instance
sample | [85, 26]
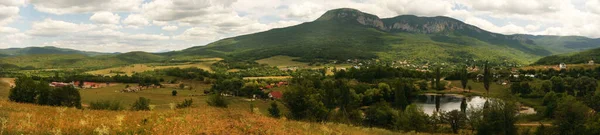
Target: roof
[276, 94]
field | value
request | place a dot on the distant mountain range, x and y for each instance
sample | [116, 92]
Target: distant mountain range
[342, 34]
[45, 50]
[571, 58]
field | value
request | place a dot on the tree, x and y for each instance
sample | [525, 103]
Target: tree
[463, 105]
[423, 85]
[217, 100]
[455, 119]
[381, 115]
[181, 86]
[174, 93]
[24, 90]
[570, 116]
[400, 98]
[142, 104]
[274, 110]
[499, 117]
[304, 102]
[414, 119]
[186, 103]
[438, 77]
[464, 78]
[474, 118]
[585, 85]
[487, 77]
[558, 84]
[67, 96]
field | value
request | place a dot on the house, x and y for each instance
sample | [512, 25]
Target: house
[59, 84]
[591, 62]
[479, 77]
[275, 95]
[562, 66]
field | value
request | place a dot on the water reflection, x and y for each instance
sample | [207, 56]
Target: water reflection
[447, 102]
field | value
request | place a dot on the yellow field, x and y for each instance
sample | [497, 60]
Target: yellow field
[16, 118]
[129, 70]
[282, 61]
[268, 77]
[569, 66]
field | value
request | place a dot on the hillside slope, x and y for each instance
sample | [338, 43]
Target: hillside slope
[33, 119]
[564, 44]
[342, 34]
[571, 58]
[44, 50]
[51, 61]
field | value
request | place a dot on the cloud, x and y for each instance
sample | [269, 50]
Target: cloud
[169, 28]
[8, 30]
[84, 6]
[53, 28]
[135, 21]
[8, 12]
[105, 18]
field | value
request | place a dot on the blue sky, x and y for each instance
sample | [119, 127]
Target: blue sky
[165, 25]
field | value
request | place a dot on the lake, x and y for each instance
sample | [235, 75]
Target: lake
[449, 102]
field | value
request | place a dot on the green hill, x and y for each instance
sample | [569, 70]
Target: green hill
[351, 34]
[565, 44]
[51, 61]
[44, 50]
[571, 58]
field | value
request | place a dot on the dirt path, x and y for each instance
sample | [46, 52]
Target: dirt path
[10, 81]
[532, 124]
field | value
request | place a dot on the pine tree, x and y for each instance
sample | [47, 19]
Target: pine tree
[486, 77]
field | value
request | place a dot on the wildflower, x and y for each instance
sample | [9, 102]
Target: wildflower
[102, 131]
[172, 106]
[120, 119]
[152, 107]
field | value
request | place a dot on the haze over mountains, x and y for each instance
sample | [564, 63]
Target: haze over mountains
[345, 33]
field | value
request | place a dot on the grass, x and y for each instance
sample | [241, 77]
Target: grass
[130, 69]
[495, 89]
[282, 61]
[287, 61]
[33, 119]
[268, 77]
[569, 66]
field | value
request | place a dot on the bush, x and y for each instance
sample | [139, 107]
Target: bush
[106, 105]
[174, 93]
[274, 110]
[186, 103]
[217, 100]
[142, 104]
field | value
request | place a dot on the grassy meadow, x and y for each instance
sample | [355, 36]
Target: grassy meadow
[130, 69]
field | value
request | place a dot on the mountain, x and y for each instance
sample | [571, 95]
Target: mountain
[51, 61]
[342, 34]
[44, 50]
[571, 58]
[564, 44]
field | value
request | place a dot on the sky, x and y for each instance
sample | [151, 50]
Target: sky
[167, 25]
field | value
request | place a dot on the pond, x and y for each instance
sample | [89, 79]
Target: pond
[449, 102]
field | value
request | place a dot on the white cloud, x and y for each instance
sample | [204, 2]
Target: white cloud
[105, 18]
[8, 30]
[84, 6]
[159, 23]
[53, 28]
[170, 28]
[135, 21]
[8, 13]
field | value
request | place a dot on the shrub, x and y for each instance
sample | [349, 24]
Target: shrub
[274, 110]
[174, 93]
[186, 103]
[217, 100]
[106, 105]
[142, 104]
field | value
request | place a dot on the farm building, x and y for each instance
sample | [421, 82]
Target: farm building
[562, 66]
[275, 95]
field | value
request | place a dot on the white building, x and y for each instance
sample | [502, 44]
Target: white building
[562, 66]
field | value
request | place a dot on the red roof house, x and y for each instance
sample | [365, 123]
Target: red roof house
[275, 94]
